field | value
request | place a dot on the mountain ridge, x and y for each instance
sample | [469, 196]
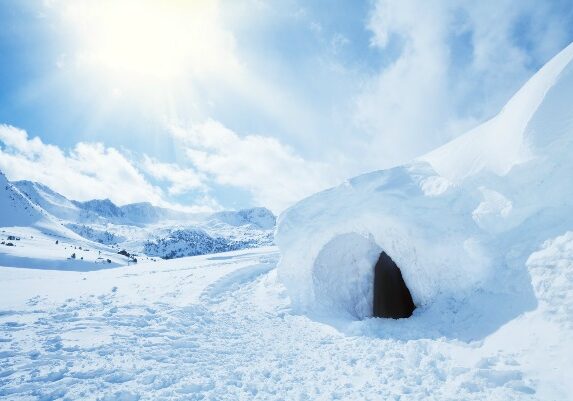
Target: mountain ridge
[143, 227]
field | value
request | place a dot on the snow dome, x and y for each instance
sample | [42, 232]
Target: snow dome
[331, 241]
[453, 220]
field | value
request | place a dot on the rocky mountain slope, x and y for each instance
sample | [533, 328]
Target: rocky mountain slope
[156, 231]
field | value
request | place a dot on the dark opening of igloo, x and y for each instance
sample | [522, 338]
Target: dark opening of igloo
[392, 298]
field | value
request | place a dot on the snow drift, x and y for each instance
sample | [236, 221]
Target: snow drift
[459, 220]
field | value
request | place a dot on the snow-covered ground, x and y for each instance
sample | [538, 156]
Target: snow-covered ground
[220, 327]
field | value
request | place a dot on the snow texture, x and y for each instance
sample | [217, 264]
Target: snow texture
[220, 327]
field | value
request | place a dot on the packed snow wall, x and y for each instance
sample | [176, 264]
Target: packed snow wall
[330, 242]
[463, 218]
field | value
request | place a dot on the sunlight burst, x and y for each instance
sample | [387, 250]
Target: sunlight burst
[150, 39]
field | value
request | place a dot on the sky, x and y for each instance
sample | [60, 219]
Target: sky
[208, 105]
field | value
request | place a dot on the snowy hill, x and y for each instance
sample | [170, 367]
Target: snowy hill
[196, 241]
[52, 228]
[102, 208]
[480, 229]
[49, 200]
[463, 217]
[30, 237]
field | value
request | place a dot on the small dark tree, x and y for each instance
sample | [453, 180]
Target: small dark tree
[124, 253]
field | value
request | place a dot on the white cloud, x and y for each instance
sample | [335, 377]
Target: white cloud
[404, 104]
[272, 172]
[457, 64]
[180, 180]
[91, 171]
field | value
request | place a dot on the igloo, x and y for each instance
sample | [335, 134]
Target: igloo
[451, 220]
[331, 242]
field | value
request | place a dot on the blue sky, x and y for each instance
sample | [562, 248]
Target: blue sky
[228, 104]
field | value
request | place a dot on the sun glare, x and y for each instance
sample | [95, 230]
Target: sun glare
[157, 39]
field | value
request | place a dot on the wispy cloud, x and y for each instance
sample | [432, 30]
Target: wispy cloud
[457, 64]
[179, 180]
[91, 170]
[272, 172]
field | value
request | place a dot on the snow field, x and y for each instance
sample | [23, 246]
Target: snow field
[219, 327]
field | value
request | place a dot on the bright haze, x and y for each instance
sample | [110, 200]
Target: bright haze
[210, 105]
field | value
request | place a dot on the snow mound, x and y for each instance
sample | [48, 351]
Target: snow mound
[350, 256]
[510, 138]
[462, 219]
[551, 269]
[341, 232]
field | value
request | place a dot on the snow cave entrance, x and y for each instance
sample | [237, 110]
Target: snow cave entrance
[392, 298]
[353, 276]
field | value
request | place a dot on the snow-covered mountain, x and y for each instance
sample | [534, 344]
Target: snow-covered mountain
[97, 210]
[17, 210]
[32, 237]
[196, 241]
[156, 231]
[47, 199]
